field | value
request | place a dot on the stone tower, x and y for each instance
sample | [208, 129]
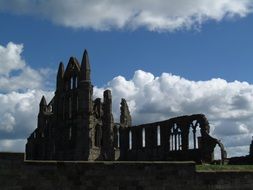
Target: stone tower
[73, 126]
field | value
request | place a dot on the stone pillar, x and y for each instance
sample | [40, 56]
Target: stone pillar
[107, 131]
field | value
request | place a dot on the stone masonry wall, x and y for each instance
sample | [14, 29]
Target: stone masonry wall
[19, 175]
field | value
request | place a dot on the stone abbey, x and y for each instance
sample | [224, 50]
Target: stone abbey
[73, 126]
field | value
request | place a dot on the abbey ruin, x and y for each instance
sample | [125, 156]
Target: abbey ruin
[73, 126]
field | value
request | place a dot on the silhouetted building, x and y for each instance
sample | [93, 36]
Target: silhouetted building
[73, 126]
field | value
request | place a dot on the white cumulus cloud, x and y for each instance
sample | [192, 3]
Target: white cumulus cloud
[21, 88]
[18, 112]
[227, 105]
[7, 122]
[159, 15]
[10, 58]
[15, 73]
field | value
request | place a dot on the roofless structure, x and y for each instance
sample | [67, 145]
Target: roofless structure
[74, 126]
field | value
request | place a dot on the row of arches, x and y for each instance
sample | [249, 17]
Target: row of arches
[174, 138]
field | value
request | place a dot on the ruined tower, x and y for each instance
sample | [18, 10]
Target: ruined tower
[73, 126]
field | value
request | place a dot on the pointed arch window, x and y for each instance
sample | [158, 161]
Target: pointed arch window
[194, 135]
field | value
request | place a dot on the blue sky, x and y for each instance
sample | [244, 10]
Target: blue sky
[196, 56]
[217, 49]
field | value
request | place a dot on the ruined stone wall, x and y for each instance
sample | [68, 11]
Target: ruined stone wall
[15, 174]
[180, 138]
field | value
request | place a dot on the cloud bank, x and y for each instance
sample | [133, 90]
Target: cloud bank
[21, 88]
[15, 74]
[159, 15]
[227, 105]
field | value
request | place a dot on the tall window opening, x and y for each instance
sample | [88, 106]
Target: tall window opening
[179, 140]
[158, 132]
[143, 137]
[171, 140]
[130, 140]
[118, 138]
[217, 153]
[191, 137]
[175, 136]
[194, 135]
[198, 136]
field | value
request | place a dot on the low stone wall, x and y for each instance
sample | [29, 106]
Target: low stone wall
[116, 176]
[14, 156]
[225, 180]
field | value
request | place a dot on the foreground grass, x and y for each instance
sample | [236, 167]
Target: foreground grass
[208, 167]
